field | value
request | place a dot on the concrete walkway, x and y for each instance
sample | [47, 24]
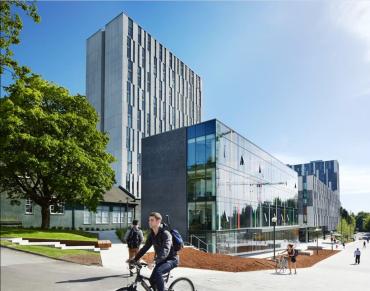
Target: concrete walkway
[325, 244]
[336, 273]
[21, 271]
[115, 257]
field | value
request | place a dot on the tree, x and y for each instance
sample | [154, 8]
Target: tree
[50, 148]
[11, 26]
[360, 220]
[367, 224]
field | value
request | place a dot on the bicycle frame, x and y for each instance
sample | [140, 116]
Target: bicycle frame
[142, 280]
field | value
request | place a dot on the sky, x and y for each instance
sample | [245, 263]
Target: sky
[291, 76]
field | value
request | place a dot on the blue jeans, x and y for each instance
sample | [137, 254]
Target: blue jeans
[156, 279]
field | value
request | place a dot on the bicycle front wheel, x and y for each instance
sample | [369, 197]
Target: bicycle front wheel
[182, 284]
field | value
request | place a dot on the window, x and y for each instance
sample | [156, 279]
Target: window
[117, 215]
[139, 76]
[129, 161]
[143, 58]
[29, 206]
[130, 27]
[129, 71]
[87, 216]
[148, 124]
[128, 182]
[139, 34]
[139, 163]
[155, 106]
[129, 217]
[129, 116]
[149, 42]
[128, 92]
[57, 208]
[155, 66]
[148, 82]
[129, 48]
[160, 52]
[139, 120]
[102, 215]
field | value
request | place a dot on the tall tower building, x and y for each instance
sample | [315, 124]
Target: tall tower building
[139, 88]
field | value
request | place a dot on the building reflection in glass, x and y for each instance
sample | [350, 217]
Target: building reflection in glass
[234, 189]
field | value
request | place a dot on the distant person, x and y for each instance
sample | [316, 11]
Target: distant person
[344, 245]
[357, 256]
[364, 245]
[133, 237]
[367, 240]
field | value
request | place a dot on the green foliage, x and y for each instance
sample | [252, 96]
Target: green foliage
[367, 224]
[11, 26]
[346, 229]
[361, 219]
[50, 148]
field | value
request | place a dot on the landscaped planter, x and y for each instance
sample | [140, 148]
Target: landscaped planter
[102, 244]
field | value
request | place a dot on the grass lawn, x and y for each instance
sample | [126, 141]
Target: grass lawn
[77, 256]
[12, 232]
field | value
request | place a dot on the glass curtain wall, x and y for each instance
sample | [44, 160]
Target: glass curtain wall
[235, 188]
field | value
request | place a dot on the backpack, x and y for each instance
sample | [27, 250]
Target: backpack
[177, 241]
[296, 252]
[133, 240]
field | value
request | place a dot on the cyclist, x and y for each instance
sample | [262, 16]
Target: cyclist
[166, 257]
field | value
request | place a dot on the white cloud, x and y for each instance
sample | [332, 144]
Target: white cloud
[353, 17]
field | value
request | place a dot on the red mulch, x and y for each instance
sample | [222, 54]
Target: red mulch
[192, 258]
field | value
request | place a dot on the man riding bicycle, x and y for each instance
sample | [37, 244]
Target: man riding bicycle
[166, 257]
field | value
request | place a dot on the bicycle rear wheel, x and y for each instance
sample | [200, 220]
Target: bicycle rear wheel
[182, 284]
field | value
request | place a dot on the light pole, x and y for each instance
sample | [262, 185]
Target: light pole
[120, 214]
[254, 242]
[332, 240]
[274, 220]
[127, 210]
[317, 230]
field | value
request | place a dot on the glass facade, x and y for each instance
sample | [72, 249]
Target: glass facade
[234, 188]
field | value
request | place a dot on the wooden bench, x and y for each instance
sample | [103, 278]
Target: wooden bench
[104, 244]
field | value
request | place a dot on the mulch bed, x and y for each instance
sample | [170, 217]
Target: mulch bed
[192, 258]
[83, 259]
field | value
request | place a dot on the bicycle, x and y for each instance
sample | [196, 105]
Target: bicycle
[281, 264]
[179, 284]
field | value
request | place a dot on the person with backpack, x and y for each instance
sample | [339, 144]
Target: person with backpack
[292, 254]
[166, 257]
[133, 237]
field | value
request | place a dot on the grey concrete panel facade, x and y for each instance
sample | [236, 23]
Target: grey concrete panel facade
[139, 88]
[164, 178]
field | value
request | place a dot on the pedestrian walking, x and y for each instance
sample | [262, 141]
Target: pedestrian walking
[344, 245]
[133, 237]
[364, 245]
[357, 255]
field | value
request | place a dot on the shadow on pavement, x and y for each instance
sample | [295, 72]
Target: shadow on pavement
[280, 274]
[91, 279]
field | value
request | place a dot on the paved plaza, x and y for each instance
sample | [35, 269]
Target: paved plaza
[21, 271]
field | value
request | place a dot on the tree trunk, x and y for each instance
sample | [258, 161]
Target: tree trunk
[45, 215]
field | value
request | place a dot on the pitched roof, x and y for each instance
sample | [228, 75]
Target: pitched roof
[119, 195]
